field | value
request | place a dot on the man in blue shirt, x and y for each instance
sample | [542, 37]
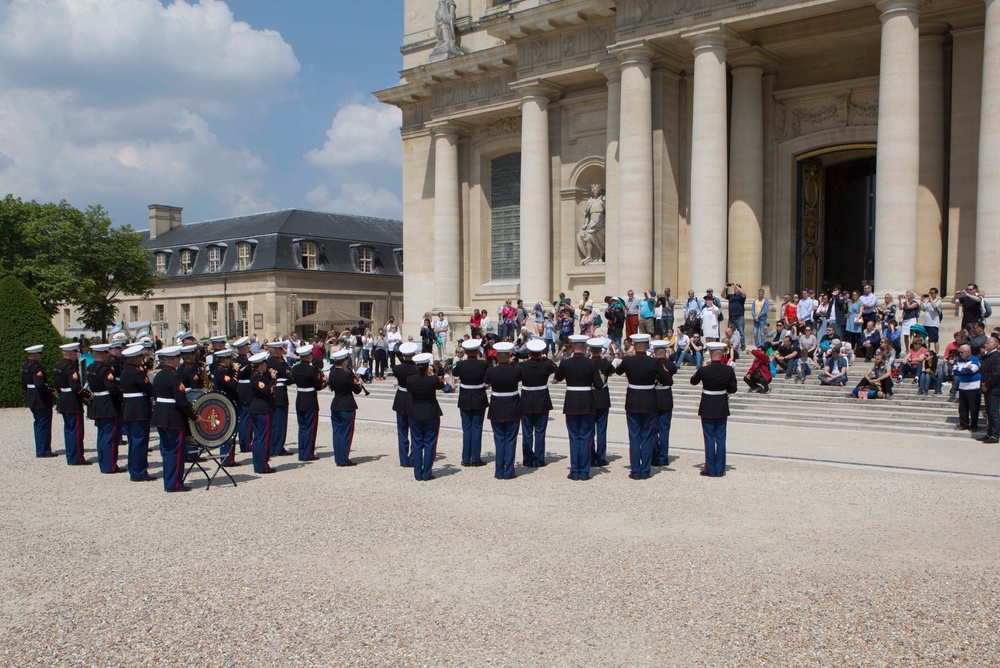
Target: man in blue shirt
[647, 313]
[835, 371]
[969, 397]
[869, 304]
[737, 310]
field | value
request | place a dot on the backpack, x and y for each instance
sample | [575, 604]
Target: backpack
[987, 311]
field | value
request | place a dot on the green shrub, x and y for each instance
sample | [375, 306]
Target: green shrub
[23, 323]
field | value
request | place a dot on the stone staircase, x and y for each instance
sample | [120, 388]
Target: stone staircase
[791, 404]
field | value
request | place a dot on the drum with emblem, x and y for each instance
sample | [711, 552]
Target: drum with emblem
[218, 417]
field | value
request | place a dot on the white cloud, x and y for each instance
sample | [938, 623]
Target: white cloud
[357, 198]
[361, 134]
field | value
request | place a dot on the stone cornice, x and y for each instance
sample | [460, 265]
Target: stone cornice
[514, 25]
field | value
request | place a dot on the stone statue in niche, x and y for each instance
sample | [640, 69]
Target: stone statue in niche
[590, 238]
[444, 32]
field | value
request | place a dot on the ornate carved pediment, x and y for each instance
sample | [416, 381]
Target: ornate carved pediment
[565, 49]
[850, 103]
[504, 126]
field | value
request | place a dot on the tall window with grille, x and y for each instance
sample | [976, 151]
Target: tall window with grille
[505, 216]
[365, 309]
[213, 319]
[308, 255]
[366, 260]
[308, 308]
[243, 256]
[185, 317]
[214, 259]
[161, 263]
[243, 315]
[187, 262]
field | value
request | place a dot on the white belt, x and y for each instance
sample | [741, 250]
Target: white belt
[534, 388]
[307, 389]
[281, 381]
[244, 382]
[573, 388]
[101, 394]
[133, 395]
[31, 387]
[505, 394]
[641, 387]
[473, 387]
[165, 401]
[663, 387]
[714, 393]
[65, 389]
[401, 389]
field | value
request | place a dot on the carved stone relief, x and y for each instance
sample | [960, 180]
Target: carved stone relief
[812, 113]
[504, 126]
[632, 13]
[570, 47]
[473, 92]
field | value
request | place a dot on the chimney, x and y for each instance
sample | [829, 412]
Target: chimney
[163, 219]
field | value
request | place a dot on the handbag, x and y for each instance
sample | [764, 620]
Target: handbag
[598, 321]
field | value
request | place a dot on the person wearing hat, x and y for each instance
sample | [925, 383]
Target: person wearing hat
[425, 415]
[217, 343]
[137, 411]
[343, 408]
[401, 401]
[718, 380]
[308, 381]
[537, 403]
[117, 363]
[506, 409]
[643, 373]
[261, 409]
[38, 397]
[244, 392]
[170, 417]
[602, 403]
[664, 404]
[190, 374]
[581, 378]
[224, 380]
[472, 401]
[69, 402]
[279, 419]
[105, 408]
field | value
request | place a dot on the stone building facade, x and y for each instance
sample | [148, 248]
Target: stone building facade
[257, 274]
[780, 144]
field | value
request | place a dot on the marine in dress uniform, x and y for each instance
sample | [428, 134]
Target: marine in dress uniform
[217, 343]
[38, 397]
[536, 401]
[506, 409]
[602, 403]
[425, 416]
[279, 419]
[170, 417]
[137, 411]
[664, 406]
[472, 401]
[260, 409]
[243, 371]
[69, 403]
[105, 408]
[308, 381]
[343, 408]
[401, 402]
[117, 363]
[643, 373]
[718, 380]
[582, 379]
[190, 375]
[224, 380]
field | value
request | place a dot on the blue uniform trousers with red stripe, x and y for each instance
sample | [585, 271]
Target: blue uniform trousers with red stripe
[533, 439]
[403, 437]
[505, 443]
[599, 442]
[172, 452]
[343, 435]
[472, 435]
[260, 446]
[73, 437]
[137, 432]
[43, 431]
[244, 427]
[580, 429]
[661, 438]
[279, 430]
[107, 444]
[308, 422]
[714, 431]
[424, 437]
[640, 442]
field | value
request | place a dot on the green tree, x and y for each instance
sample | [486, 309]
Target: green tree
[23, 323]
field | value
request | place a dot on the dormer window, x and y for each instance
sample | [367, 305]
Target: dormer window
[309, 255]
[244, 255]
[366, 260]
[214, 259]
[161, 263]
[187, 262]
[398, 253]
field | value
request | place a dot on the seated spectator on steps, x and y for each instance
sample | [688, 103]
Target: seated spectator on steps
[786, 356]
[929, 374]
[671, 341]
[694, 352]
[735, 343]
[682, 343]
[759, 375]
[807, 351]
[913, 360]
[871, 338]
[835, 371]
[894, 334]
[779, 332]
[877, 381]
[888, 352]
[828, 336]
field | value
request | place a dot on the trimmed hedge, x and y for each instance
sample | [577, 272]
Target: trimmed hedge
[23, 323]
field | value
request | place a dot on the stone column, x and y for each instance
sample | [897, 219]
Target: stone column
[536, 195]
[635, 172]
[447, 220]
[613, 221]
[930, 195]
[898, 157]
[709, 164]
[988, 193]
[746, 175]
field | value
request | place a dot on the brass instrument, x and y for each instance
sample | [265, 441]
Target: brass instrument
[203, 375]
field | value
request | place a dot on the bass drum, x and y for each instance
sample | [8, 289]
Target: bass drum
[218, 417]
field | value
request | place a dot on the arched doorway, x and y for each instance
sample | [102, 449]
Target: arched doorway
[835, 231]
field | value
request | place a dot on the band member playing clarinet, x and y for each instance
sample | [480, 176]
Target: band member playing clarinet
[643, 372]
[137, 411]
[343, 409]
[472, 402]
[537, 403]
[170, 417]
[224, 380]
[425, 415]
[69, 403]
[506, 409]
[401, 402]
[261, 409]
[308, 381]
[279, 419]
[38, 397]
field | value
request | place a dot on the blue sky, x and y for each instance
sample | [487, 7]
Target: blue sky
[222, 107]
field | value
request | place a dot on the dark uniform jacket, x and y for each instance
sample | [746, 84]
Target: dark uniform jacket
[423, 397]
[167, 385]
[35, 385]
[117, 365]
[643, 371]
[536, 374]
[503, 379]
[107, 399]
[138, 393]
[602, 395]
[188, 374]
[309, 380]
[69, 384]
[664, 390]
[280, 389]
[402, 371]
[989, 372]
[344, 387]
[578, 371]
[224, 381]
[243, 371]
[472, 372]
[715, 377]
[262, 391]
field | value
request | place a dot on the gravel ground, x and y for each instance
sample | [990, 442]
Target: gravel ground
[778, 564]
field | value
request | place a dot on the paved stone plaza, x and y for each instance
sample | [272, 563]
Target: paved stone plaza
[781, 563]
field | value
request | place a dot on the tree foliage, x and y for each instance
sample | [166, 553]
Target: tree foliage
[23, 323]
[71, 256]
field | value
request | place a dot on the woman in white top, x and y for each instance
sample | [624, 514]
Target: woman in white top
[710, 321]
[486, 324]
[393, 338]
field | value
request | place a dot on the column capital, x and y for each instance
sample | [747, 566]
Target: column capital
[753, 57]
[538, 90]
[715, 39]
[446, 128]
[610, 69]
[888, 7]
[636, 54]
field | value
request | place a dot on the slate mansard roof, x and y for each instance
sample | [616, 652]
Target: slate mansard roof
[276, 240]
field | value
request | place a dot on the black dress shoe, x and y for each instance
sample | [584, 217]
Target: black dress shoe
[430, 477]
[232, 465]
[478, 464]
[46, 455]
[584, 477]
[311, 459]
[182, 488]
[149, 478]
[115, 471]
[703, 472]
[604, 462]
[349, 463]
[570, 477]
[268, 471]
[541, 464]
[283, 453]
[631, 476]
[83, 463]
